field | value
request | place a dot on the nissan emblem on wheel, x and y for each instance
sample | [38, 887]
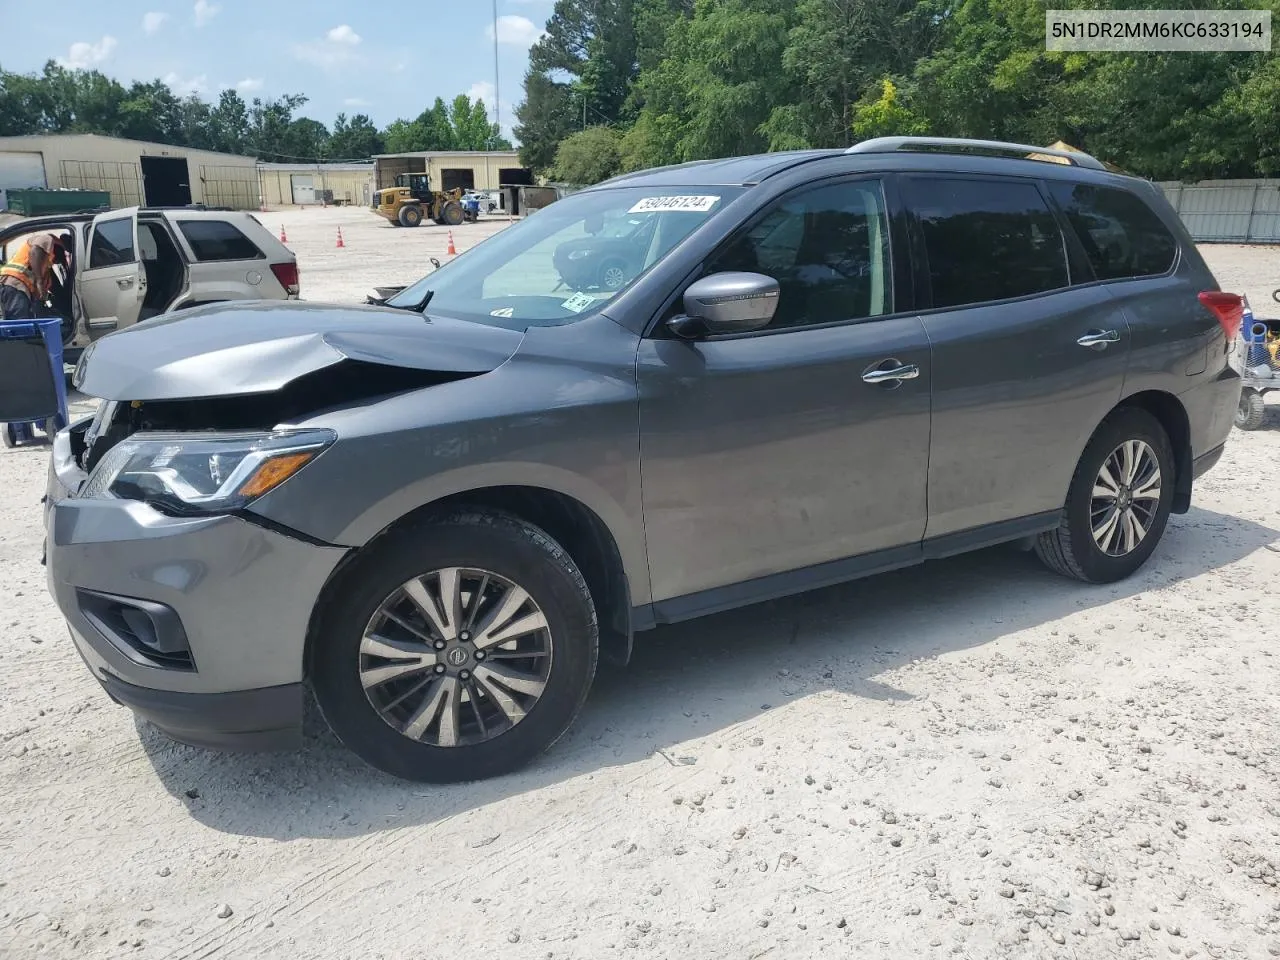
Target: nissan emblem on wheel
[677, 392]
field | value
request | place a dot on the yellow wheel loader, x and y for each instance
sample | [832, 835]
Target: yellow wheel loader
[412, 200]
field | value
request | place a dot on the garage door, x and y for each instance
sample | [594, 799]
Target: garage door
[304, 189]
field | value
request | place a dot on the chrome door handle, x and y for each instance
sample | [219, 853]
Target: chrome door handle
[880, 374]
[124, 283]
[1098, 339]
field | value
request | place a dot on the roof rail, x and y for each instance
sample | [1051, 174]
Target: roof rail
[959, 145]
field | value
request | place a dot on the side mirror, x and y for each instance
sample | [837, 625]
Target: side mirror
[727, 303]
[593, 224]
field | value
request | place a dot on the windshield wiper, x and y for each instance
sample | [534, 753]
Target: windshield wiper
[421, 306]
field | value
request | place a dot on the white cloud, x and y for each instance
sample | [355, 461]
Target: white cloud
[482, 90]
[355, 102]
[184, 87]
[516, 31]
[249, 84]
[86, 56]
[337, 48]
[343, 34]
[205, 11]
[153, 21]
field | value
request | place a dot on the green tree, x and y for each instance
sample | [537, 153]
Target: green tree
[587, 157]
[884, 116]
[543, 119]
[354, 139]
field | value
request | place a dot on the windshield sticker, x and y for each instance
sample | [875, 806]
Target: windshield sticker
[503, 312]
[578, 302]
[675, 205]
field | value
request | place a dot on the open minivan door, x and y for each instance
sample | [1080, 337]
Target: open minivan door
[112, 281]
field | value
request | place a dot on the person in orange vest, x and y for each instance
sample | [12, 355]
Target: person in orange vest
[26, 278]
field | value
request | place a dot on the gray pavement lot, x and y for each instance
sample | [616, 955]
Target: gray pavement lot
[970, 759]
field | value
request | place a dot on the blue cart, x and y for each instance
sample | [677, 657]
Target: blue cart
[33, 386]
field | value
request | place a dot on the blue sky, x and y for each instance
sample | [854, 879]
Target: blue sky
[387, 59]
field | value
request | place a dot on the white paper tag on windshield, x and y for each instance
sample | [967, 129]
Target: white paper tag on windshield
[578, 302]
[503, 312]
[675, 205]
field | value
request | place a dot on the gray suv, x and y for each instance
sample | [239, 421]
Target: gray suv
[438, 513]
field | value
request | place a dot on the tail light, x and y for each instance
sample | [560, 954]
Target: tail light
[287, 274]
[1227, 308]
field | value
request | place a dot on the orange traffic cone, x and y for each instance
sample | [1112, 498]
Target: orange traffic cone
[452, 251]
[340, 243]
[283, 238]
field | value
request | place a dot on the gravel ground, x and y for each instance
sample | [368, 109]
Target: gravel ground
[970, 759]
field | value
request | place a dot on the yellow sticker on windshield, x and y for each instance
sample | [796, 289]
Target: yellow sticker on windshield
[675, 205]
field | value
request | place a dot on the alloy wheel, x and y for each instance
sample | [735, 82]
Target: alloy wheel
[1126, 498]
[614, 277]
[456, 657]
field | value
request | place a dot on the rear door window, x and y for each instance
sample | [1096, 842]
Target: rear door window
[213, 240]
[1122, 237]
[987, 240]
[112, 243]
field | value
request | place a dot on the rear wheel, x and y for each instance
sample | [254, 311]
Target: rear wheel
[1251, 411]
[452, 213]
[1118, 503]
[457, 649]
[410, 215]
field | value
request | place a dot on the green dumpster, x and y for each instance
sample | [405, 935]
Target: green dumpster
[43, 203]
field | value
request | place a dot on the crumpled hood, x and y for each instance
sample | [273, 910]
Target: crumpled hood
[231, 349]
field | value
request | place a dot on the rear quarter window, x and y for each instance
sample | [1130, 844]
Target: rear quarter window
[213, 240]
[1122, 237]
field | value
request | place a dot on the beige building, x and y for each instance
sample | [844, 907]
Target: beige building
[132, 171]
[451, 169]
[304, 184]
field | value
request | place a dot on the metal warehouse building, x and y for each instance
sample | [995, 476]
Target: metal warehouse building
[455, 169]
[305, 184]
[132, 171]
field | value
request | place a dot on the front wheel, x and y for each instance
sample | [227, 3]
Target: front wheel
[1118, 503]
[410, 216]
[457, 649]
[452, 214]
[1251, 411]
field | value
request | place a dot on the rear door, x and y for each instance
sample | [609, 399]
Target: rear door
[1025, 365]
[112, 284]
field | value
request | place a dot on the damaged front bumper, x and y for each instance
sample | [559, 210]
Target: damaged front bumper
[198, 624]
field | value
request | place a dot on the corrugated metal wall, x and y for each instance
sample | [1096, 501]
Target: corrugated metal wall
[230, 186]
[1228, 211]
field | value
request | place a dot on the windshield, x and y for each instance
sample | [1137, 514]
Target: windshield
[568, 260]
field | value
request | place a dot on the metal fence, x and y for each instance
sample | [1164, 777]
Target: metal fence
[1228, 211]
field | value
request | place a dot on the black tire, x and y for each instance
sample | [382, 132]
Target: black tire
[452, 214]
[1275, 295]
[1070, 549]
[510, 548]
[1251, 411]
[410, 215]
[9, 436]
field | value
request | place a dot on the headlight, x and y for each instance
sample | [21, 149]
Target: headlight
[211, 473]
[579, 254]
